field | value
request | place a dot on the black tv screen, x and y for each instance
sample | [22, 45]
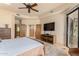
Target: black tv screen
[49, 26]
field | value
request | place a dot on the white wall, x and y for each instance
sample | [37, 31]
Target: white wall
[30, 21]
[7, 17]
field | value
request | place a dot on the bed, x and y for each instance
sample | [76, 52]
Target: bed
[21, 47]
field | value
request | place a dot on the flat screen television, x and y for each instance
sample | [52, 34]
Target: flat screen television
[49, 26]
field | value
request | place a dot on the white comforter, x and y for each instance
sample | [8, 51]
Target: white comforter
[13, 47]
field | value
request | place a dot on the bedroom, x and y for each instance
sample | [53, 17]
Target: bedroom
[17, 23]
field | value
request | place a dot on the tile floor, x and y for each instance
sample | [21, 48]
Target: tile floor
[54, 49]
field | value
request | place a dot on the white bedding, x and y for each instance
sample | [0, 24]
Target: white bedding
[13, 47]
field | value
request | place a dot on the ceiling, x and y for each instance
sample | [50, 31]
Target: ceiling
[42, 7]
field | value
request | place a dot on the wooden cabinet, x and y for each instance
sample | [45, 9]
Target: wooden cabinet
[47, 38]
[5, 33]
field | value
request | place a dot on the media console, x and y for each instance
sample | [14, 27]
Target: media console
[47, 38]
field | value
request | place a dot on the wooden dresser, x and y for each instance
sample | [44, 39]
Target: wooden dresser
[47, 38]
[5, 33]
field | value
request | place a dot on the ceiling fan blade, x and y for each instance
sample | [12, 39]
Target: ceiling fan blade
[35, 4]
[28, 10]
[35, 10]
[25, 4]
[22, 7]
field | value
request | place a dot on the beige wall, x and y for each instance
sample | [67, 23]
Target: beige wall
[59, 19]
[30, 21]
[60, 28]
[7, 17]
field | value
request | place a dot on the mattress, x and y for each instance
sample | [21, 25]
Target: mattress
[13, 47]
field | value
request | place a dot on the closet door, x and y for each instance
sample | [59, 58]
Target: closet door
[38, 31]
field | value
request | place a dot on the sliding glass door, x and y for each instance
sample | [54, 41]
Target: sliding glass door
[73, 29]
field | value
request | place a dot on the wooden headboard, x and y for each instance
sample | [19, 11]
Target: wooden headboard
[5, 33]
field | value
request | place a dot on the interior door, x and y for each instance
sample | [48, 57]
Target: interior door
[38, 31]
[23, 30]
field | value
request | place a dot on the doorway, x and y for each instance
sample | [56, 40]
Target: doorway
[31, 31]
[20, 29]
[73, 29]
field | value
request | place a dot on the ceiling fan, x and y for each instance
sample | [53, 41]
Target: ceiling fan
[29, 7]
